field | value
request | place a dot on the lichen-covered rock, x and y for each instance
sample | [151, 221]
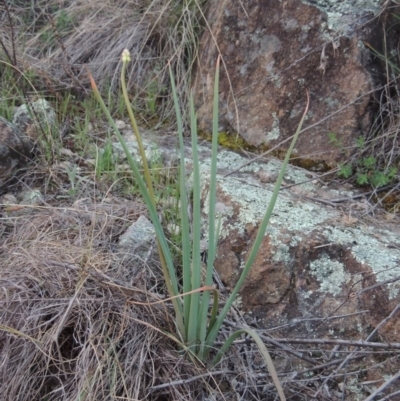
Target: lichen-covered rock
[14, 150]
[272, 51]
[140, 234]
[17, 139]
[39, 116]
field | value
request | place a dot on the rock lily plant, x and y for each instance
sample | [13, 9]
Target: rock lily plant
[197, 326]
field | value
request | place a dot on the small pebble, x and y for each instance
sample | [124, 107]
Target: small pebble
[120, 124]
[173, 229]
[266, 177]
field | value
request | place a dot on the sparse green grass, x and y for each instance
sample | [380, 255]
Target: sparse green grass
[7, 101]
[85, 132]
[106, 161]
[61, 39]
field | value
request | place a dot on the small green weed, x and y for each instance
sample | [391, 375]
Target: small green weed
[366, 170]
[74, 180]
[334, 140]
[345, 170]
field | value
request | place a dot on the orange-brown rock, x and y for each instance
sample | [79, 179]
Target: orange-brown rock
[272, 51]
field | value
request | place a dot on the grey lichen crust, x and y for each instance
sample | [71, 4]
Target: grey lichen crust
[367, 249]
[342, 14]
[41, 109]
[330, 273]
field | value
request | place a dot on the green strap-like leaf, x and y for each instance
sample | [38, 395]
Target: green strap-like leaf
[212, 241]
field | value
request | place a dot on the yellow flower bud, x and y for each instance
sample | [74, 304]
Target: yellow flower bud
[126, 56]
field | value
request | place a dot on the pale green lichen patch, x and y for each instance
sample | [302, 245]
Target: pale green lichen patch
[342, 14]
[368, 250]
[275, 131]
[330, 274]
[282, 254]
[252, 200]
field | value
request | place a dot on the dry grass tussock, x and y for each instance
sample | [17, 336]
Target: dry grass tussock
[69, 328]
[56, 39]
